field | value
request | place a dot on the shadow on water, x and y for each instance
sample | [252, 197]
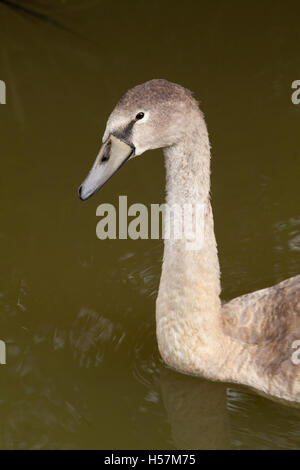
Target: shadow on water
[22, 9]
[32, 11]
[77, 314]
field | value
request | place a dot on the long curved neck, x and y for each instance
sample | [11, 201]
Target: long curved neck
[192, 333]
[188, 303]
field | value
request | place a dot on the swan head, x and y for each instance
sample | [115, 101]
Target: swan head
[155, 114]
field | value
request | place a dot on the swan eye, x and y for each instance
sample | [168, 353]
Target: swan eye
[139, 116]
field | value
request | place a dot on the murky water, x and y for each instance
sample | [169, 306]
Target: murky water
[77, 313]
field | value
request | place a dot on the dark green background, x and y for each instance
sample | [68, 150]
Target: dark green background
[77, 313]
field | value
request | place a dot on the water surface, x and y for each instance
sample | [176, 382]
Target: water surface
[77, 313]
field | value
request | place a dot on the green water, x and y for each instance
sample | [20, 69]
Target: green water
[77, 313]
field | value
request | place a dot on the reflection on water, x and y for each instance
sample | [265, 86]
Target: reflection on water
[61, 401]
[76, 313]
[88, 337]
[278, 427]
[288, 232]
[196, 411]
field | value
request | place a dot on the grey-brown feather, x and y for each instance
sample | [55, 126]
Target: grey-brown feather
[270, 319]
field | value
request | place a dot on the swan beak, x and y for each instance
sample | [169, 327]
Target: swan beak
[113, 154]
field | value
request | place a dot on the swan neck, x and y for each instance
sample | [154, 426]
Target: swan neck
[188, 303]
[188, 168]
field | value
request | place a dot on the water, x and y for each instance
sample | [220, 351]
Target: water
[77, 313]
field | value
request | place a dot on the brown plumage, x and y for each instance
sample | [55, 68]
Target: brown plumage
[268, 320]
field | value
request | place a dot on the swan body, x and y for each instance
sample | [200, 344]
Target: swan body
[248, 340]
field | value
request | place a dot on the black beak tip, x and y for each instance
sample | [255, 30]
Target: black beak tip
[80, 193]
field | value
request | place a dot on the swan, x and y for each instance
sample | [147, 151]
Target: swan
[249, 340]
